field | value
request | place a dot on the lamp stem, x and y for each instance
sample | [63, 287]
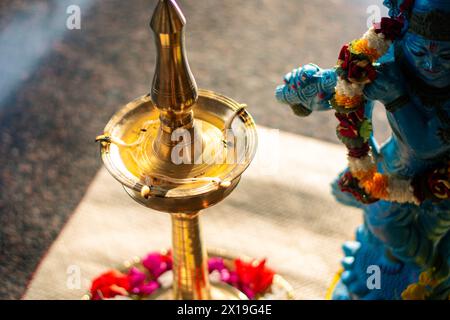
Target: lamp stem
[190, 262]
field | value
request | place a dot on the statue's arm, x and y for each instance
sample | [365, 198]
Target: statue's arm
[307, 89]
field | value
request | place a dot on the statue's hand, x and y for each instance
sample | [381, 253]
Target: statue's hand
[388, 85]
[307, 88]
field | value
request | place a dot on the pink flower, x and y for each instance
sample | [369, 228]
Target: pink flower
[230, 277]
[136, 277]
[216, 264]
[138, 285]
[148, 288]
[157, 264]
[226, 275]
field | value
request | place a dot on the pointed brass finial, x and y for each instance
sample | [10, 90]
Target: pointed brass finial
[174, 90]
[167, 18]
[141, 155]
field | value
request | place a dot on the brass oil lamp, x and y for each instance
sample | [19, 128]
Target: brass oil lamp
[156, 148]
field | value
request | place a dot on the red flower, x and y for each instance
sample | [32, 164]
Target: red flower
[371, 72]
[354, 68]
[354, 71]
[438, 183]
[109, 285]
[359, 152]
[390, 27]
[346, 128]
[344, 57]
[349, 123]
[358, 73]
[348, 183]
[254, 277]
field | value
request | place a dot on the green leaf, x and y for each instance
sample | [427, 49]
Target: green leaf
[365, 131]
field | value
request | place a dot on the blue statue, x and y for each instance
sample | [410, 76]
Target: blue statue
[407, 236]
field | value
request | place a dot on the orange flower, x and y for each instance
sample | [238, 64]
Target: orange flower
[364, 175]
[376, 186]
[348, 102]
[361, 46]
[374, 183]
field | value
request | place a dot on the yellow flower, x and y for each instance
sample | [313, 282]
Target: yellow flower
[361, 46]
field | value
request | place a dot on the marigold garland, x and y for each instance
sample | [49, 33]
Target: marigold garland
[355, 69]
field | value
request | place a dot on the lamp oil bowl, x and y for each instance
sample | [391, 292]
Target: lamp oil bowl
[180, 150]
[195, 171]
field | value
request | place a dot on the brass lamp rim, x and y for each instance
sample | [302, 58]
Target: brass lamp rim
[130, 181]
